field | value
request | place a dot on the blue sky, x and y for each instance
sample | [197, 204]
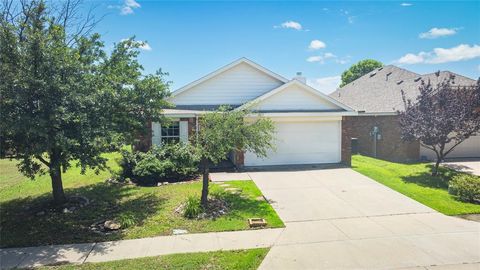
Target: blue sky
[319, 38]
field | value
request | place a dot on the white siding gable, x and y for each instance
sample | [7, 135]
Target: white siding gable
[236, 85]
[295, 97]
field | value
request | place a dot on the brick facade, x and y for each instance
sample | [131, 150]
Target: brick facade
[389, 147]
[144, 141]
[346, 152]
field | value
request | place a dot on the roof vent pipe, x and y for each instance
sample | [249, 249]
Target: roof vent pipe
[300, 78]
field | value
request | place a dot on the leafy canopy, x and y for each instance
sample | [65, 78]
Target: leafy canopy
[228, 130]
[358, 70]
[64, 101]
[442, 117]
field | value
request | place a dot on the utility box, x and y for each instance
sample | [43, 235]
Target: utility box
[354, 145]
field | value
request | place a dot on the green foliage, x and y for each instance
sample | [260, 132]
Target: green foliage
[192, 208]
[171, 163]
[150, 170]
[358, 70]
[248, 259]
[227, 130]
[65, 100]
[465, 187]
[127, 219]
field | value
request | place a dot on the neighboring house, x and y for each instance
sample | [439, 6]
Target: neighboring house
[309, 124]
[377, 97]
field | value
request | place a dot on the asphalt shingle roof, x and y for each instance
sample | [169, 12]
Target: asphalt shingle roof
[380, 90]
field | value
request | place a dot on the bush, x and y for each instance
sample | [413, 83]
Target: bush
[169, 163]
[193, 208]
[466, 187]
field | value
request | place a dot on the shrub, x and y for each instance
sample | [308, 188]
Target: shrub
[170, 163]
[192, 208]
[127, 219]
[466, 187]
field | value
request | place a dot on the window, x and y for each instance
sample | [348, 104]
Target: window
[171, 133]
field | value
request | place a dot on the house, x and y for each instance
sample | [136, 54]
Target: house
[377, 97]
[309, 124]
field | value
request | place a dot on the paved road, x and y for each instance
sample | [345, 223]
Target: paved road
[340, 219]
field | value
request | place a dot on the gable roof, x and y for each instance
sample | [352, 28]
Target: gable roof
[380, 91]
[228, 67]
[302, 86]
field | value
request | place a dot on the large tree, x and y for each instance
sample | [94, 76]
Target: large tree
[442, 117]
[358, 70]
[64, 100]
[226, 130]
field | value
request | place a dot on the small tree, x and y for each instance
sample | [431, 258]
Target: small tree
[442, 117]
[66, 101]
[224, 131]
[358, 70]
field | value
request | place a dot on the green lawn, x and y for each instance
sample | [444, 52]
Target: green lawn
[415, 181]
[221, 260]
[151, 208]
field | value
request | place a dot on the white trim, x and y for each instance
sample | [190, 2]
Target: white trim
[303, 114]
[183, 131]
[300, 84]
[225, 68]
[376, 113]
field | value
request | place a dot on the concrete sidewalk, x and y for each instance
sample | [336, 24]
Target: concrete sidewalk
[136, 248]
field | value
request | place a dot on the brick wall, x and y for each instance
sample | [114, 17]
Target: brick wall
[346, 152]
[390, 146]
[144, 141]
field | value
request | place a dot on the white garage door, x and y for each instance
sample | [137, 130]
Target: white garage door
[302, 143]
[470, 148]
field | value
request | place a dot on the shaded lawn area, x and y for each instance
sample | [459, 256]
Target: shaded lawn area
[415, 181]
[228, 260]
[152, 209]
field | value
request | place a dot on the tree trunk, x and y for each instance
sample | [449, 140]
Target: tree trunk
[435, 169]
[56, 176]
[205, 173]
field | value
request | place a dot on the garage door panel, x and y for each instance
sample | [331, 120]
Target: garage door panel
[302, 143]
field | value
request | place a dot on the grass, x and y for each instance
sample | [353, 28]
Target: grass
[150, 211]
[221, 260]
[415, 181]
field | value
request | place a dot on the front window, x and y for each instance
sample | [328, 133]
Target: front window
[171, 133]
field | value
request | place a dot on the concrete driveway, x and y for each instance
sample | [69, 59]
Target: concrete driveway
[340, 219]
[468, 165]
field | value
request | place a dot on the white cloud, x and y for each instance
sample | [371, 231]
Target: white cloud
[325, 84]
[317, 44]
[406, 4]
[438, 32]
[127, 7]
[342, 61]
[329, 55]
[290, 25]
[322, 58]
[461, 52]
[145, 46]
[411, 58]
[316, 58]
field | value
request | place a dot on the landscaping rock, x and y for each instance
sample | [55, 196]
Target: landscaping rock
[67, 211]
[179, 231]
[112, 225]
